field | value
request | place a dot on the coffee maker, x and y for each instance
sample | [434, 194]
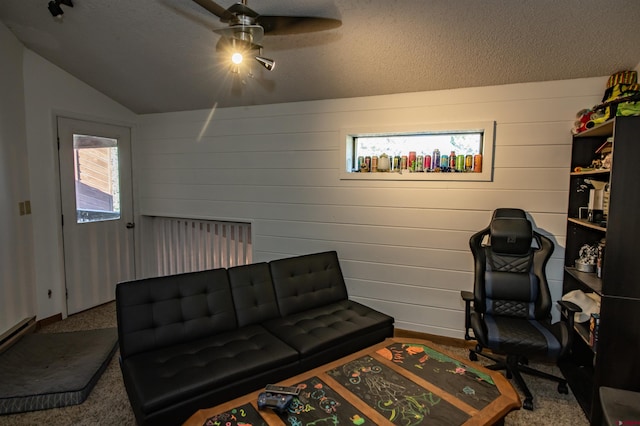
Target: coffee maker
[595, 208]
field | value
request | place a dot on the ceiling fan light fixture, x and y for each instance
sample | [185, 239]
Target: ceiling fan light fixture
[269, 64]
[248, 27]
[238, 49]
[237, 58]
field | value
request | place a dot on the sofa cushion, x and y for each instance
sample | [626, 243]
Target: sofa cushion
[253, 295]
[317, 329]
[163, 311]
[179, 372]
[307, 282]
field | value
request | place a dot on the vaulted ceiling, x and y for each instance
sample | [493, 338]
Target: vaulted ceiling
[160, 55]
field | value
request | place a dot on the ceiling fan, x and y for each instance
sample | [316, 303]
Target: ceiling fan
[246, 28]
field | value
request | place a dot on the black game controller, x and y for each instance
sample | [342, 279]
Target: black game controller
[274, 401]
[283, 390]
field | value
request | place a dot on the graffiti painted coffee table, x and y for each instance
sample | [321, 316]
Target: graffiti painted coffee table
[403, 382]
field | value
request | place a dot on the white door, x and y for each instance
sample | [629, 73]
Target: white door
[97, 210]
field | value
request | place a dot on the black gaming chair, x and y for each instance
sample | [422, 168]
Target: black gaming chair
[509, 310]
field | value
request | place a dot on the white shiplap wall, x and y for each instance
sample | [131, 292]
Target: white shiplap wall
[403, 246]
[17, 279]
[33, 92]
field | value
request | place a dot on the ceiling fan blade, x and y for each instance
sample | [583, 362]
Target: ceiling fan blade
[282, 25]
[216, 9]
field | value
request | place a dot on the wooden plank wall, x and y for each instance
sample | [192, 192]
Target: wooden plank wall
[403, 246]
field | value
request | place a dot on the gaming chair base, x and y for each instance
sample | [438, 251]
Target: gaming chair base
[514, 365]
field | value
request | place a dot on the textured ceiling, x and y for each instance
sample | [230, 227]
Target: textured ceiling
[160, 55]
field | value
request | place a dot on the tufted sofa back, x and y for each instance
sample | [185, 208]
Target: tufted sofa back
[253, 295]
[306, 282]
[163, 311]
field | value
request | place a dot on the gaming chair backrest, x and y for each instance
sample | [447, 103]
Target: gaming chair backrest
[510, 275]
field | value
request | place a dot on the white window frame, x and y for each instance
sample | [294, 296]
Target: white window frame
[487, 128]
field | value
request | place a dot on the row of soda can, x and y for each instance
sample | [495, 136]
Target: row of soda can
[422, 163]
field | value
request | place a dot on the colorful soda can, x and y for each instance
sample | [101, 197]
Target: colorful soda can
[374, 163]
[477, 163]
[396, 163]
[367, 163]
[460, 163]
[427, 163]
[468, 163]
[452, 160]
[419, 163]
[403, 162]
[412, 161]
[444, 162]
[361, 164]
[435, 161]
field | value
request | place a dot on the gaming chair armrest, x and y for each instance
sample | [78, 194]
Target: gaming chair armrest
[468, 297]
[569, 307]
[568, 311]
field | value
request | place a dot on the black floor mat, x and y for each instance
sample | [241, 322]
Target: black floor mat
[50, 370]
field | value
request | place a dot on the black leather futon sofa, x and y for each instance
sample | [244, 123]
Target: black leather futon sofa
[195, 340]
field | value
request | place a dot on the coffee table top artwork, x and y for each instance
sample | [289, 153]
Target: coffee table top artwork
[403, 382]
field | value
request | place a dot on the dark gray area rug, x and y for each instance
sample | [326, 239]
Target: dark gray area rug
[51, 370]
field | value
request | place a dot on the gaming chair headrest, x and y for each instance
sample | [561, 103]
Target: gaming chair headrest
[510, 213]
[510, 232]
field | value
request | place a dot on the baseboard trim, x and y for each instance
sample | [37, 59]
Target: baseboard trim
[49, 320]
[14, 334]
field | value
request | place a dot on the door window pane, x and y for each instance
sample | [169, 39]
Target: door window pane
[95, 161]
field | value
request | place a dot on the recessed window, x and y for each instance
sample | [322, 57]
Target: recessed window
[97, 181]
[429, 152]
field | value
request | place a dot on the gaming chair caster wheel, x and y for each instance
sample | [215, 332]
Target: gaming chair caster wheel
[562, 388]
[473, 356]
[528, 404]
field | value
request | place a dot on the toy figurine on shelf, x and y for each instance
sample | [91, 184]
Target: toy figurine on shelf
[582, 118]
[604, 158]
[621, 98]
[587, 257]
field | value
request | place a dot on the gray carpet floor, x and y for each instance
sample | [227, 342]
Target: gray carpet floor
[108, 404]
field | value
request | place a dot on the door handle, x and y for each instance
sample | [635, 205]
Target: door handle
[130, 225]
